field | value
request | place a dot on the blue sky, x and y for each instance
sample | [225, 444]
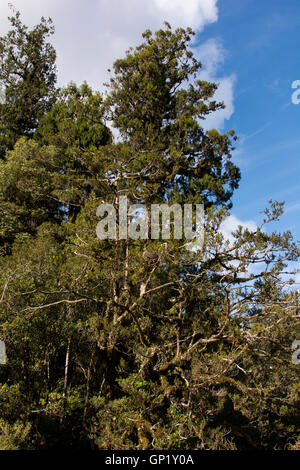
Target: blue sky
[261, 42]
[251, 47]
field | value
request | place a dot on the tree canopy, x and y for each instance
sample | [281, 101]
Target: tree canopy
[27, 77]
[134, 344]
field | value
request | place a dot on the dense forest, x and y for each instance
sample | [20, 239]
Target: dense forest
[134, 344]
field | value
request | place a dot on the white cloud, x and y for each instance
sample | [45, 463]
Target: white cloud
[224, 93]
[193, 13]
[297, 279]
[212, 56]
[91, 35]
[231, 223]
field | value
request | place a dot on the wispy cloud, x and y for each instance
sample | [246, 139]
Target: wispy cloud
[257, 131]
[292, 207]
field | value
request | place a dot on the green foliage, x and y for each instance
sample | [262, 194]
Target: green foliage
[26, 190]
[74, 121]
[157, 105]
[134, 344]
[14, 437]
[28, 75]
